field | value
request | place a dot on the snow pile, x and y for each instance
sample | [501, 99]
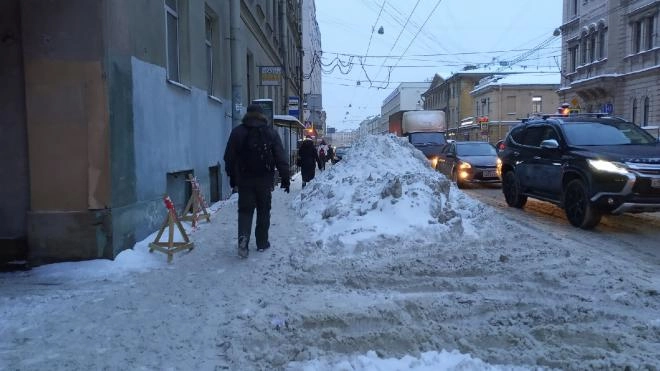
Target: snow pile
[383, 187]
[428, 361]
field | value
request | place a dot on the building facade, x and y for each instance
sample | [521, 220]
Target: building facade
[611, 58]
[313, 97]
[370, 125]
[500, 101]
[453, 96]
[111, 104]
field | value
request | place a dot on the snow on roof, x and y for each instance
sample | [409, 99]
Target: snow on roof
[288, 119]
[532, 78]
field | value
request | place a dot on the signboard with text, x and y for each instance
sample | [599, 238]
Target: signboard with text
[294, 103]
[270, 75]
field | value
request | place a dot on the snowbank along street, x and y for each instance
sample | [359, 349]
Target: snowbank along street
[378, 264]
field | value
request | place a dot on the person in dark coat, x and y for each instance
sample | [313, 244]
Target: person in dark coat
[254, 187]
[331, 155]
[309, 160]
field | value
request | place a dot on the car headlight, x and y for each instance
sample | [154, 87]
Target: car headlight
[608, 166]
[464, 165]
[434, 162]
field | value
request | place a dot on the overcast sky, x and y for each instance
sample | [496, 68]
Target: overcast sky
[458, 32]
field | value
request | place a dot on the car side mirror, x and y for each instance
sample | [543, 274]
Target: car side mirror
[550, 144]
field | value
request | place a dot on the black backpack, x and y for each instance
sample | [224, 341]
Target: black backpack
[256, 155]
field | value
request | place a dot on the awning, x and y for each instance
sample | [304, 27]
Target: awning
[287, 121]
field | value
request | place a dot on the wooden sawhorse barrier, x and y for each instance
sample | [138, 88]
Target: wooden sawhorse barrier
[196, 204]
[170, 247]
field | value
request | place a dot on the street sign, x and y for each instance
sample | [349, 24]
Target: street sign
[294, 103]
[608, 108]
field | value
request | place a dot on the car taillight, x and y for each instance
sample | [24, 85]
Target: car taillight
[501, 146]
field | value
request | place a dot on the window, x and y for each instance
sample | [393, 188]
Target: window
[511, 105]
[574, 7]
[537, 104]
[601, 43]
[533, 136]
[549, 133]
[649, 33]
[209, 25]
[634, 110]
[645, 120]
[572, 58]
[592, 48]
[583, 52]
[172, 36]
[637, 37]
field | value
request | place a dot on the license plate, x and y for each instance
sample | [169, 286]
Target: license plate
[655, 182]
[491, 174]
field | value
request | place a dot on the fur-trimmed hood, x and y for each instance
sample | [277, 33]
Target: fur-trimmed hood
[254, 119]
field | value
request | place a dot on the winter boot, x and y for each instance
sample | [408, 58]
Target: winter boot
[264, 248]
[243, 250]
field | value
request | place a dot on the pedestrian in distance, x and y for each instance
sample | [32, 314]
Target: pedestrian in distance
[254, 150]
[331, 155]
[323, 150]
[308, 160]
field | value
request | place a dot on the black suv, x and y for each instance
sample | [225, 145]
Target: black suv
[589, 165]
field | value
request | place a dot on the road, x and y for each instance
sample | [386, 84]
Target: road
[628, 232]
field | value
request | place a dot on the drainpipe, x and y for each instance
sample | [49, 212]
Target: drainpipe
[285, 75]
[236, 61]
[500, 109]
[301, 52]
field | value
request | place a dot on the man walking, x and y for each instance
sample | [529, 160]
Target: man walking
[253, 152]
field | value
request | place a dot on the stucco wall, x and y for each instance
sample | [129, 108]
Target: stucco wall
[174, 129]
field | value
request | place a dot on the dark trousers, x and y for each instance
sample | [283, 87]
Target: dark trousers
[255, 193]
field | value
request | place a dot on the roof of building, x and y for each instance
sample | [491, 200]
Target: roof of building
[531, 78]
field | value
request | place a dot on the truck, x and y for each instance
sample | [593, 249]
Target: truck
[424, 129]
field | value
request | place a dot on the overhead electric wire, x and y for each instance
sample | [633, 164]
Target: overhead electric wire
[398, 36]
[414, 37]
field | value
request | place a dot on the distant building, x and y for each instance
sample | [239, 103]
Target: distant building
[342, 138]
[407, 96]
[611, 58]
[453, 95]
[313, 97]
[500, 101]
[370, 125]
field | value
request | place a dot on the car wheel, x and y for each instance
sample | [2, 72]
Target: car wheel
[580, 212]
[512, 192]
[454, 178]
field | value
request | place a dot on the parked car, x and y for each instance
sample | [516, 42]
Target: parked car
[469, 162]
[339, 153]
[589, 165]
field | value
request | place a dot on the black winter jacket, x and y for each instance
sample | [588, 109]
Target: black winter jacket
[235, 144]
[309, 159]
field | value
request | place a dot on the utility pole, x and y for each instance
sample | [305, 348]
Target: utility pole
[236, 62]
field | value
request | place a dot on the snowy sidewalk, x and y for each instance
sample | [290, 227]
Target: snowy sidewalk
[376, 265]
